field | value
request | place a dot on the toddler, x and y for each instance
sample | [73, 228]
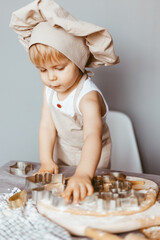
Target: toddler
[73, 129]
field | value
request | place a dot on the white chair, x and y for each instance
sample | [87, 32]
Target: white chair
[125, 155]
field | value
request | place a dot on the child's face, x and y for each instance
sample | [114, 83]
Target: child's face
[62, 77]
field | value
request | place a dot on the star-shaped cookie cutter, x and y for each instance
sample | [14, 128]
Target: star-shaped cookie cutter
[21, 168]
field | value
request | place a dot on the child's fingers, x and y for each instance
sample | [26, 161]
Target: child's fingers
[76, 194]
[39, 172]
[43, 171]
[62, 194]
[83, 192]
[56, 170]
[34, 174]
[67, 194]
[90, 189]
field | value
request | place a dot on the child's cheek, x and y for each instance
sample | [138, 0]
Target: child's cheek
[44, 77]
[44, 80]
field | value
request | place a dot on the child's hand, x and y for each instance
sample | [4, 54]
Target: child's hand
[78, 187]
[49, 167]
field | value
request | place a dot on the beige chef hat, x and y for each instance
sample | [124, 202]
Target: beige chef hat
[44, 21]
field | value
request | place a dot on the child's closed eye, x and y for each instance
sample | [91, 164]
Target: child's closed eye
[42, 70]
[59, 68]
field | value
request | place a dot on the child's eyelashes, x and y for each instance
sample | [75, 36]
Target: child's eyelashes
[55, 68]
[44, 70]
[59, 68]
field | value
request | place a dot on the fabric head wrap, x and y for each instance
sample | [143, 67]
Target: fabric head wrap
[44, 21]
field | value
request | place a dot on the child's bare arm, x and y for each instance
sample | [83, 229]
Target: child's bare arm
[79, 186]
[47, 137]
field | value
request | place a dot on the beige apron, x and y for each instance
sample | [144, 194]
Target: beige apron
[69, 139]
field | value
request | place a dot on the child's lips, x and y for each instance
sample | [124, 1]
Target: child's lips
[57, 86]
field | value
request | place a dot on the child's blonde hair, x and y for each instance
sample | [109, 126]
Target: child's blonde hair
[41, 54]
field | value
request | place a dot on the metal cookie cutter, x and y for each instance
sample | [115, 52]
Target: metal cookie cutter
[118, 176]
[46, 187]
[21, 168]
[18, 200]
[115, 192]
[40, 194]
[40, 180]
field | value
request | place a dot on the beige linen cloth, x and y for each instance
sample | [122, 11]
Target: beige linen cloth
[69, 141]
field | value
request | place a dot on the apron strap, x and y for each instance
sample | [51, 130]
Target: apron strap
[78, 90]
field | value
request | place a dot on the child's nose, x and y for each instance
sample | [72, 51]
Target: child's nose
[52, 76]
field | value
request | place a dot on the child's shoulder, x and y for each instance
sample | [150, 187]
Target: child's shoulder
[88, 86]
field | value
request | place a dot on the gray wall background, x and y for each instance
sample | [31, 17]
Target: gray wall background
[131, 87]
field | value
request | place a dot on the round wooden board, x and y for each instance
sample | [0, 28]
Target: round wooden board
[152, 232]
[77, 221]
[77, 224]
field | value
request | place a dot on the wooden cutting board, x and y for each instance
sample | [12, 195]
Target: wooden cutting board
[76, 218]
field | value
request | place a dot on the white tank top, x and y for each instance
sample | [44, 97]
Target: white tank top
[66, 106]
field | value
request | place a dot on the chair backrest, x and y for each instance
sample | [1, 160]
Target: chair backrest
[125, 155]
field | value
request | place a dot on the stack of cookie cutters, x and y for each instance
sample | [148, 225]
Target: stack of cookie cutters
[21, 168]
[112, 191]
[37, 187]
[115, 192]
